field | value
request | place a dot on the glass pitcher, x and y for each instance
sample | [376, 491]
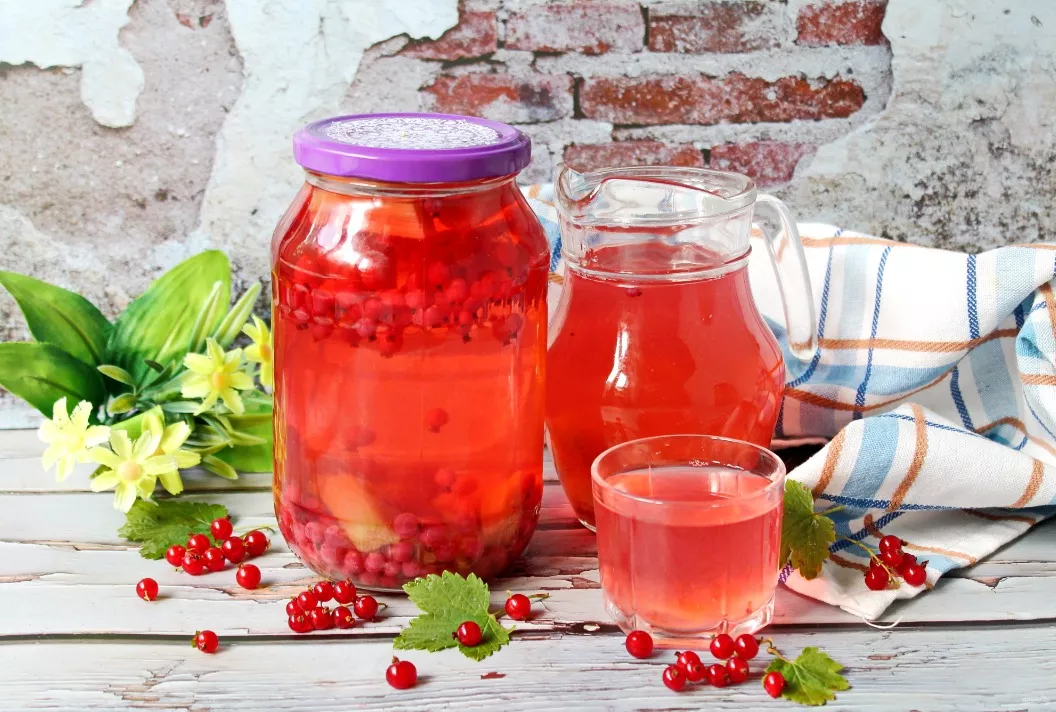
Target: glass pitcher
[656, 331]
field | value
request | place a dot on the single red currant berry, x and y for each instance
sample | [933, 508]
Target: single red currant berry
[324, 591]
[518, 607]
[401, 674]
[344, 592]
[193, 564]
[468, 634]
[890, 543]
[717, 675]
[722, 646]
[366, 608]
[915, 575]
[877, 579]
[221, 528]
[198, 543]
[306, 600]
[299, 622]
[175, 555]
[774, 683]
[321, 618]
[639, 644]
[256, 543]
[147, 589]
[907, 561]
[436, 419]
[737, 670]
[206, 641]
[747, 646]
[674, 678]
[892, 558]
[684, 660]
[234, 549]
[214, 559]
[696, 672]
[248, 576]
[343, 618]
[292, 608]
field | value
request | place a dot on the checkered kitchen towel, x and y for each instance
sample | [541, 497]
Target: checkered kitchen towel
[935, 386]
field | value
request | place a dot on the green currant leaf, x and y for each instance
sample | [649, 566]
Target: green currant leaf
[811, 678]
[805, 535]
[159, 525]
[40, 374]
[447, 601]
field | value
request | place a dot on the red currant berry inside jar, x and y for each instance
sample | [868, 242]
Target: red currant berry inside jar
[639, 644]
[147, 589]
[401, 674]
[382, 476]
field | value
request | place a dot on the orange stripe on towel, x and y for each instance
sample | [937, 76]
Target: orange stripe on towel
[831, 459]
[1037, 474]
[920, 451]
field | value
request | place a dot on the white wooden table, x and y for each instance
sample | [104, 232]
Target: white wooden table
[74, 636]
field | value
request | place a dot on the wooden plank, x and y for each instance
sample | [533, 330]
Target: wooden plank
[939, 670]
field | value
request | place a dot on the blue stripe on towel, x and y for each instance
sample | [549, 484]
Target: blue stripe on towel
[958, 398]
[973, 306]
[859, 400]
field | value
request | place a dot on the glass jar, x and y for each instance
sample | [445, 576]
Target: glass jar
[409, 301]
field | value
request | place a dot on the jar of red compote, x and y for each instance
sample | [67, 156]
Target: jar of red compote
[409, 293]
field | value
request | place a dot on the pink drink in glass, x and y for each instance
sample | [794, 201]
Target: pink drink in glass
[688, 542]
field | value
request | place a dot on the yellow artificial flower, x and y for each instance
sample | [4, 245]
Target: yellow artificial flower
[170, 441]
[132, 469]
[217, 375]
[261, 350]
[69, 436]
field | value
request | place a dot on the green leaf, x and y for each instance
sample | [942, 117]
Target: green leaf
[134, 425]
[257, 423]
[446, 602]
[164, 523]
[158, 324]
[805, 535]
[207, 318]
[60, 317]
[811, 678]
[121, 404]
[219, 467]
[117, 373]
[40, 374]
[232, 324]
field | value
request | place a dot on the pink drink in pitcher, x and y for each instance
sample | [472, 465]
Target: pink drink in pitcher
[690, 548]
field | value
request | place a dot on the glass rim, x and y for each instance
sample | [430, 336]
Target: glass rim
[776, 479]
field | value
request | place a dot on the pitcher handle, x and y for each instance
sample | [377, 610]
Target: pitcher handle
[790, 267]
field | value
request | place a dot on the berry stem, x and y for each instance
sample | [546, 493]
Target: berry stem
[773, 650]
[892, 574]
[531, 596]
[830, 510]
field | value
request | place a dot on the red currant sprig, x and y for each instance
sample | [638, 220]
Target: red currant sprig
[889, 563]
[519, 606]
[688, 667]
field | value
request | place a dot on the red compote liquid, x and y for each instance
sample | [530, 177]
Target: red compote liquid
[409, 348]
[655, 339]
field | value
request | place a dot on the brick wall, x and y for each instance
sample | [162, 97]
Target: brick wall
[745, 85]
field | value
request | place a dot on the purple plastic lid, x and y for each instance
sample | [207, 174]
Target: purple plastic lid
[411, 148]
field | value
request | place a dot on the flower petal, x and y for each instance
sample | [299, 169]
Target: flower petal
[96, 435]
[159, 464]
[198, 363]
[105, 480]
[232, 400]
[51, 455]
[124, 497]
[208, 402]
[146, 445]
[172, 482]
[267, 374]
[174, 436]
[104, 457]
[241, 380]
[145, 486]
[66, 463]
[196, 388]
[253, 353]
[81, 414]
[186, 458]
[216, 354]
[48, 432]
[121, 444]
[154, 424]
[59, 413]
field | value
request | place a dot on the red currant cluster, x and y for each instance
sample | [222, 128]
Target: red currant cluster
[689, 667]
[199, 555]
[306, 612]
[893, 563]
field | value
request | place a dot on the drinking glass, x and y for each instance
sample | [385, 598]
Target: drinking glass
[689, 532]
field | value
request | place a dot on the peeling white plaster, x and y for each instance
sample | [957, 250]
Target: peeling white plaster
[965, 150]
[78, 33]
[299, 58]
